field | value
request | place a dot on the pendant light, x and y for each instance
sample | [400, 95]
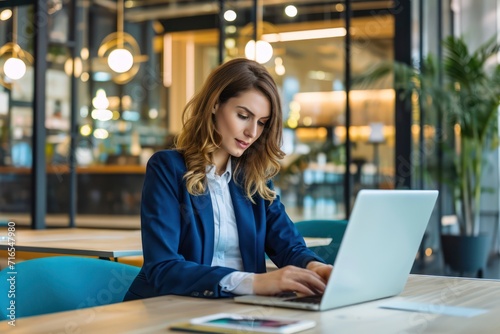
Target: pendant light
[121, 51]
[13, 59]
[257, 49]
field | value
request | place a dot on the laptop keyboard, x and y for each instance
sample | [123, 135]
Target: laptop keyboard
[315, 299]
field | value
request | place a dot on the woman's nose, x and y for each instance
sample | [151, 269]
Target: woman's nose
[251, 130]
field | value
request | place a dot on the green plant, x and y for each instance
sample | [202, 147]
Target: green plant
[467, 97]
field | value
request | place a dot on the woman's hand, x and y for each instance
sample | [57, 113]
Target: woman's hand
[291, 278]
[322, 269]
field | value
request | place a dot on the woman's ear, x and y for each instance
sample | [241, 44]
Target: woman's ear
[215, 108]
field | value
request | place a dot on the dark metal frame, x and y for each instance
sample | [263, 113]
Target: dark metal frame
[402, 39]
[39, 169]
[403, 116]
[75, 39]
[347, 80]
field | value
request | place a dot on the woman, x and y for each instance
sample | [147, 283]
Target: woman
[209, 212]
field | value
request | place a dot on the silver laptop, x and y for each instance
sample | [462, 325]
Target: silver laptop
[376, 254]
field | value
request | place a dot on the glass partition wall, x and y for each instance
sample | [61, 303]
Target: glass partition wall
[100, 125]
[16, 124]
[114, 121]
[306, 56]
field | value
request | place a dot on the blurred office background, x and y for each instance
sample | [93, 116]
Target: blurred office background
[78, 125]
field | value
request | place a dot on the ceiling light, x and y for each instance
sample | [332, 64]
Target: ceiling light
[5, 14]
[230, 15]
[13, 59]
[279, 68]
[304, 34]
[14, 68]
[120, 60]
[85, 130]
[121, 51]
[102, 115]
[101, 133]
[291, 11]
[100, 101]
[262, 53]
[75, 70]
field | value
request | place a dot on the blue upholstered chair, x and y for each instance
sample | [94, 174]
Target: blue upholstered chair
[62, 283]
[334, 229]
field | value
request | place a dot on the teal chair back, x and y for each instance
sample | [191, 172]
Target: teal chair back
[62, 283]
[334, 229]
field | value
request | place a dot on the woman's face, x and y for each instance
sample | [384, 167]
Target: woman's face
[240, 121]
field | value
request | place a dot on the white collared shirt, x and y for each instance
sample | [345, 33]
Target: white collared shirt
[226, 240]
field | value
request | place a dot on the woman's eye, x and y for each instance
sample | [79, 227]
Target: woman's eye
[242, 116]
[262, 123]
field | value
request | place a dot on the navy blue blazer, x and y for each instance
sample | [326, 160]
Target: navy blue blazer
[178, 235]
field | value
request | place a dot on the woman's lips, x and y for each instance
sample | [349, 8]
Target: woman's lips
[242, 144]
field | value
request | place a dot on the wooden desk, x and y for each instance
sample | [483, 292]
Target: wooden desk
[155, 314]
[92, 242]
[79, 241]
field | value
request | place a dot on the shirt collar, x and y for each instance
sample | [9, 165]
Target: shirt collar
[226, 175]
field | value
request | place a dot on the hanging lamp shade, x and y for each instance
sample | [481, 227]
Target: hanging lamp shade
[122, 54]
[261, 51]
[120, 60]
[121, 51]
[13, 59]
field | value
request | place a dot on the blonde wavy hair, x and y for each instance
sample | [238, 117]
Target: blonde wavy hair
[199, 138]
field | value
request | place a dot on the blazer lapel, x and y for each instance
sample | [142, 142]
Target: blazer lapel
[204, 210]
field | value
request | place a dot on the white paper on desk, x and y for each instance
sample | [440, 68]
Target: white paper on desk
[456, 311]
